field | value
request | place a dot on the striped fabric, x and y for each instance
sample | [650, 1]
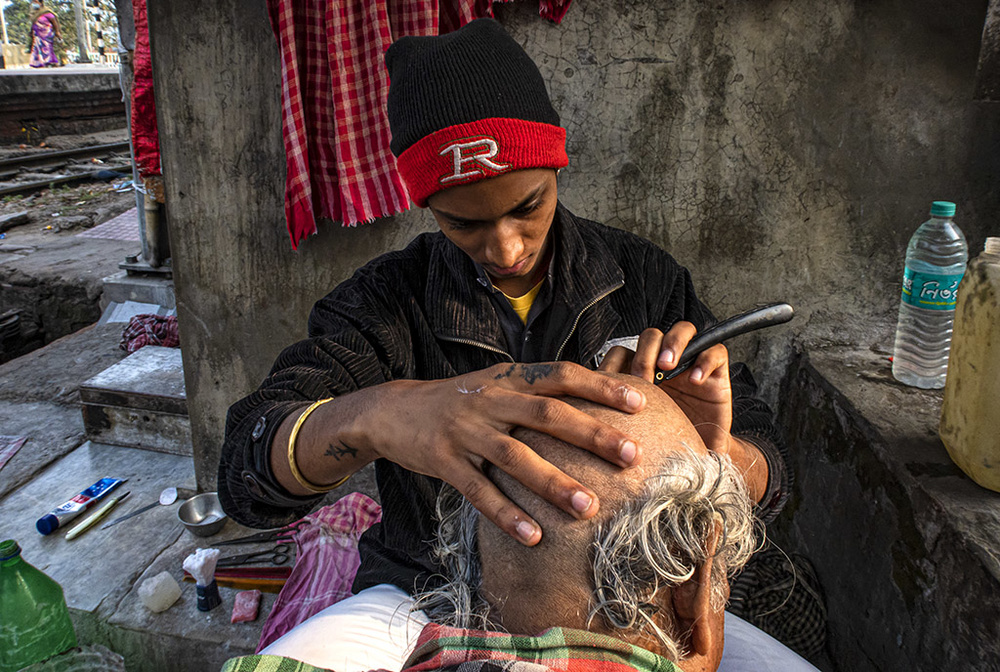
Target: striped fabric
[333, 90]
[268, 664]
[326, 560]
[444, 648]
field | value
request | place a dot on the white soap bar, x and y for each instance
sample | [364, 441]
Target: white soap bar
[159, 592]
[201, 565]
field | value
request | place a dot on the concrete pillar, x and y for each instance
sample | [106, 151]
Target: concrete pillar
[242, 293]
[82, 41]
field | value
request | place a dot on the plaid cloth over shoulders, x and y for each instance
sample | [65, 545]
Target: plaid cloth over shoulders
[441, 647]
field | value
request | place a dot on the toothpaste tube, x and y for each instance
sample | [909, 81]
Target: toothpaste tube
[61, 515]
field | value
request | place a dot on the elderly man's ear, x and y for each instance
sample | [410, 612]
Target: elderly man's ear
[697, 620]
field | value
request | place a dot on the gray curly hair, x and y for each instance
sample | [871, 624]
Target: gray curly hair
[656, 540]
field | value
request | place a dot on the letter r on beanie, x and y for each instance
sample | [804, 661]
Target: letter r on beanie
[467, 106]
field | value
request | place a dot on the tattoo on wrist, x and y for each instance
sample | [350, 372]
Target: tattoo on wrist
[343, 450]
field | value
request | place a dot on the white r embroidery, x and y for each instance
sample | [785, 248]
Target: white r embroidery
[463, 152]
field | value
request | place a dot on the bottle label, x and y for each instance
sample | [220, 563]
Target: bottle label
[930, 290]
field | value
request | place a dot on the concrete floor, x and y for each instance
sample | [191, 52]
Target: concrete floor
[101, 570]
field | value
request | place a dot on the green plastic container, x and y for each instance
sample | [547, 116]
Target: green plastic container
[34, 620]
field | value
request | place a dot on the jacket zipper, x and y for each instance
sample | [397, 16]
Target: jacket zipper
[477, 344]
[580, 314]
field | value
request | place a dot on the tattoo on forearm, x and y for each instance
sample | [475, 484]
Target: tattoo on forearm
[337, 452]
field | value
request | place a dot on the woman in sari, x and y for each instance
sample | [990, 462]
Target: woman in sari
[44, 33]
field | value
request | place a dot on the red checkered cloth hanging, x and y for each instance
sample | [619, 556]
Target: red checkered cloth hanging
[333, 91]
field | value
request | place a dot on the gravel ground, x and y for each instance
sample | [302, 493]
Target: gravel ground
[71, 208]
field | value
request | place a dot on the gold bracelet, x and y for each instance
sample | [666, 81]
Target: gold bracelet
[308, 485]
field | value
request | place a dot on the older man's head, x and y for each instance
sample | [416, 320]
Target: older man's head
[650, 568]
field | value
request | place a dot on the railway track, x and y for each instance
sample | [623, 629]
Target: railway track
[12, 167]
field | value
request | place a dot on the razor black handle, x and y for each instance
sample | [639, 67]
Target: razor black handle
[758, 318]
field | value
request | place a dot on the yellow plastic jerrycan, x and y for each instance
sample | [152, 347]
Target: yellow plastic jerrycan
[970, 414]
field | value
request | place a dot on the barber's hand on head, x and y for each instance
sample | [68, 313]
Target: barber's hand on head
[703, 392]
[451, 428]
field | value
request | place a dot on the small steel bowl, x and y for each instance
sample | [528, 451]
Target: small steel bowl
[203, 514]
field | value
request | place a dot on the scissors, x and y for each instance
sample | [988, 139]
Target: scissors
[281, 535]
[276, 556]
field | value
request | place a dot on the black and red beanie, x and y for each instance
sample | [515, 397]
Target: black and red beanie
[467, 106]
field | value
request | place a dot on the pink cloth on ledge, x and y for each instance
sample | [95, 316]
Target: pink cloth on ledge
[326, 561]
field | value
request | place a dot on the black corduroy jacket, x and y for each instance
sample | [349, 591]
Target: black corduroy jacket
[421, 313]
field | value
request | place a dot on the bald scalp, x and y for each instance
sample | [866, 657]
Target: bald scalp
[661, 428]
[559, 568]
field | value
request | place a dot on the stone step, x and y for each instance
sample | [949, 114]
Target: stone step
[139, 402]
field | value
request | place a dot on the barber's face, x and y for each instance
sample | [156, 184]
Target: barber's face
[502, 223]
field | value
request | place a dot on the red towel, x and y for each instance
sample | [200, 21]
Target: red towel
[333, 95]
[145, 137]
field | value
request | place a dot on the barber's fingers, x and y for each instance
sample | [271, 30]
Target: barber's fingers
[487, 498]
[567, 378]
[713, 362]
[567, 423]
[647, 354]
[524, 465]
[617, 360]
[527, 467]
[674, 342]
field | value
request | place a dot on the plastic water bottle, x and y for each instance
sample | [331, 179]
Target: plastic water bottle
[34, 620]
[935, 263]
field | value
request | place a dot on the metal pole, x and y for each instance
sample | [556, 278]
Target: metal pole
[3, 23]
[81, 32]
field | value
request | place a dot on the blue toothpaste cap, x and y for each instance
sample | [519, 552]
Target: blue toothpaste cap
[47, 524]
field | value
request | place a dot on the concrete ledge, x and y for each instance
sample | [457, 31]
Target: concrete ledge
[905, 545]
[59, 100]
[101, 570]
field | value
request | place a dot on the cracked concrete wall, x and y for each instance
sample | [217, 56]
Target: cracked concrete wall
[780, 150]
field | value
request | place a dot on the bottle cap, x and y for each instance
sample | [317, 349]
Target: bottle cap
[942, 209]
[9, 549]
[992, 246]
[47, 524]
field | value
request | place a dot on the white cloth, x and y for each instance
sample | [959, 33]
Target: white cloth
[750, 649]
[372, 630]
[375, 629]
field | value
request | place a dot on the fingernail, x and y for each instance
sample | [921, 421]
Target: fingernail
[629, 451]
[525, 530]
[696, 375]
[581, 501]
[633, 399]
[667, 356]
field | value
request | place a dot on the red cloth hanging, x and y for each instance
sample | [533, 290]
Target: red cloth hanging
[145, 137]
[333, 95]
